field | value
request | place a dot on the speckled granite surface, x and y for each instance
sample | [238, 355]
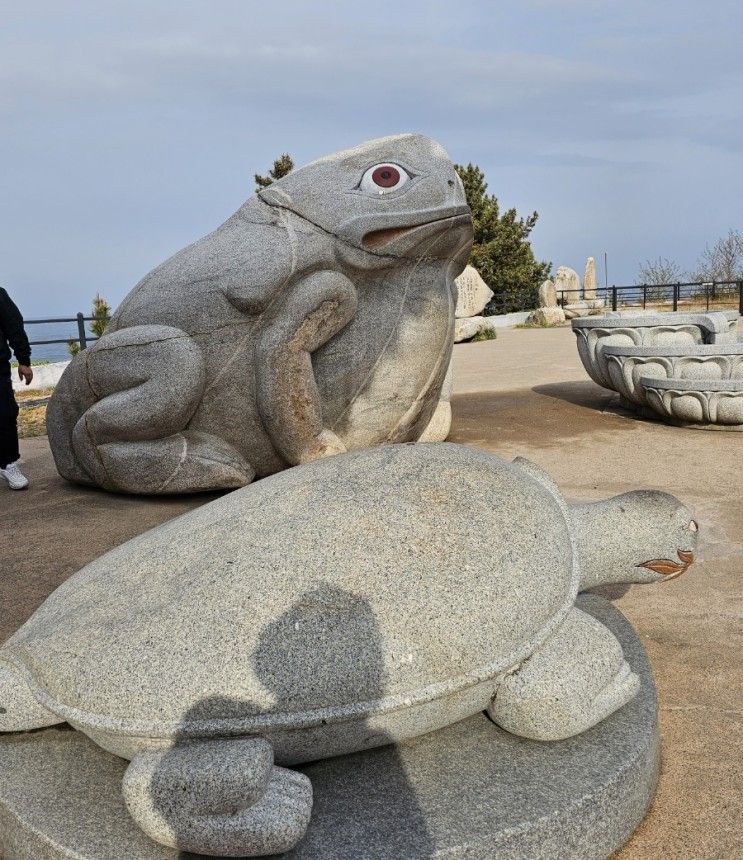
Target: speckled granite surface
[468, 791]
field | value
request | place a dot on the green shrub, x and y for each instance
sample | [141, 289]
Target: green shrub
[502, 253]
[485, 334]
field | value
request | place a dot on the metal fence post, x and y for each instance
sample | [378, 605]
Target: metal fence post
[644, 296]
[676, 288]
[740, 297]
[614, 298]
[81, 336]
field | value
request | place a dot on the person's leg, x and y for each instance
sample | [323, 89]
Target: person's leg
[9, 452]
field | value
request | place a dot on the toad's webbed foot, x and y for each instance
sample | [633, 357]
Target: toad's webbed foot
[119, 419]
[185, 462]
[219, 797]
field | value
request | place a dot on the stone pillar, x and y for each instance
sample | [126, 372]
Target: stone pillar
[547, 295]
[589, 280]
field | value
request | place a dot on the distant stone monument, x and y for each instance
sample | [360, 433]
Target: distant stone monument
[472, 293]
[548, 313]
[547, 295]
[589, 280]
[567, 285]
[560, 299]
[332, 609]
[472, 296]
[318, 319]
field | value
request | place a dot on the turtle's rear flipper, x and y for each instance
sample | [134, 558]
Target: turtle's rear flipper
[218, 797]
[19, 710]
[577, 678]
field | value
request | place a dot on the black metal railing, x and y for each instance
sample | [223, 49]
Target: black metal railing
[691, 295]
[83, 338]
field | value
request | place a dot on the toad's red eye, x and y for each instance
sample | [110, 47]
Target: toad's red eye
[383, 178]
[386, 176]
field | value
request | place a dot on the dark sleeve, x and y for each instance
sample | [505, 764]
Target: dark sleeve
[12, 325]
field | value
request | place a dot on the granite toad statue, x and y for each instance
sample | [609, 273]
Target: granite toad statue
[317, 319]
[330, 608]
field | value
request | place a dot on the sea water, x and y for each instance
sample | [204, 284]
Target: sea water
[52, 331]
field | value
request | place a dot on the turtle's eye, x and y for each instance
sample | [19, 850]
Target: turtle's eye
[383, 178]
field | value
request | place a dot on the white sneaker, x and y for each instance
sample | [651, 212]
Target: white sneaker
[15, 478]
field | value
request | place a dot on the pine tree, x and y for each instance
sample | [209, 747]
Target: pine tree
[501, 252]
[284, 164]
[101, 315]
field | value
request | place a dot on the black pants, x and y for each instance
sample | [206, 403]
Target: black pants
[9, 452]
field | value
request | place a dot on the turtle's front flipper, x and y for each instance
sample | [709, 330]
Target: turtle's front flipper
[577, 678]
[218, 797]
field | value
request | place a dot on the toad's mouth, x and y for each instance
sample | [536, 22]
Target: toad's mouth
[380, 239]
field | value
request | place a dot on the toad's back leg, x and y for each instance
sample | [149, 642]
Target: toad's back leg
[119, 415]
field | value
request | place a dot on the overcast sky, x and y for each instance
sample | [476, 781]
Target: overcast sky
[129, 129]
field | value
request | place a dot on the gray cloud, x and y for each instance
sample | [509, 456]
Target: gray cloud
[130, 129]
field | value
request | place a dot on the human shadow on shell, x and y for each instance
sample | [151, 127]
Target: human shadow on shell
[312, 657]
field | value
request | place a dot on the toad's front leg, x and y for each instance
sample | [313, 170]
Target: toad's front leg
[318, 307]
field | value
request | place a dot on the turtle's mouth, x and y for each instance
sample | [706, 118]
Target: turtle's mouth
[668, 568]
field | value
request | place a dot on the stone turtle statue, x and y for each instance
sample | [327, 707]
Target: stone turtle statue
[317, 319]
[353, 602]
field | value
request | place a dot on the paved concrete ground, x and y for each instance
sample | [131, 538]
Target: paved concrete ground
[523, 394]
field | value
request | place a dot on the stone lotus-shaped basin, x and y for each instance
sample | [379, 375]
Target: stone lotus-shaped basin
[595, 334]
[628, 364]
[708, 404]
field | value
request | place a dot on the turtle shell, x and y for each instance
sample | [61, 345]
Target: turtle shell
[368, 584]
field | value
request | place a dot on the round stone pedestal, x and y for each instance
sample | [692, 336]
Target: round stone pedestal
[468, 791]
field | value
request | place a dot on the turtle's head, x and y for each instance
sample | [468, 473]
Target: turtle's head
[672, 534]
[19, 710]
[639, 537]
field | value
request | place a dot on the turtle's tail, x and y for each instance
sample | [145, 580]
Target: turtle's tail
[19, 710]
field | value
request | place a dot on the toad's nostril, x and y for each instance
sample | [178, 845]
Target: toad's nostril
[693, 527]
